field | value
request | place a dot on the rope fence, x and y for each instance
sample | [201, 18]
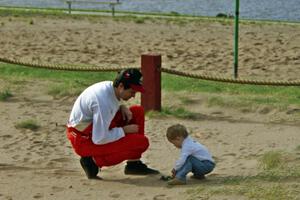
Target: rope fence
[166, 70]
[231, 80]
[59, 67]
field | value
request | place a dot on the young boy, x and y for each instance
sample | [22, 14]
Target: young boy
[194, 156]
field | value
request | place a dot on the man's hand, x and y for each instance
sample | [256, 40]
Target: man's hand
[126, 113]
[132, 128]
[173, 173]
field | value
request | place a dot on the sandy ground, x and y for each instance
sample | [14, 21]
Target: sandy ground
[266, 51]
[41, 164]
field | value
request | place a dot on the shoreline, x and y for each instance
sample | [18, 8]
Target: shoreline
[92, 12]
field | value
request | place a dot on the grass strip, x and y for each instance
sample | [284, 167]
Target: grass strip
[223, 94]
[277, 181]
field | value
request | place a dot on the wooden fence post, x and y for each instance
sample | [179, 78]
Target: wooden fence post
[151, 70]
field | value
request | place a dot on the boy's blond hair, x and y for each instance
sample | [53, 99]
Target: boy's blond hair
[175, 131]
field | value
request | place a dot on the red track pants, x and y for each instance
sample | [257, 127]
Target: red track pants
[127, 148]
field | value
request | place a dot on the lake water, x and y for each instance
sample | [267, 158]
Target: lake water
[285, 10]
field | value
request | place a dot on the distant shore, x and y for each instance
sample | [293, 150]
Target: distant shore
[108, 12]
[256, 9]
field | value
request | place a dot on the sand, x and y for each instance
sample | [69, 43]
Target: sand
[267, 51]
[42, 165]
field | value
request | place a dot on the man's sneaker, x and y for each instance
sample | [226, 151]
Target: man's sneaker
[138, 168]
[90, 168]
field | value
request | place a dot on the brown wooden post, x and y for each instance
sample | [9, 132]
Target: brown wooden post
[151, 70]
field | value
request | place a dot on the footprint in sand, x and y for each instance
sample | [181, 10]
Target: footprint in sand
[141, 194]
[65, 172]
[57, 189]
[242, 148]
[250, 133]
[6, 136]
[293, 111]
[66, 160]
[16, 157]
[38, 196]
[6, 197]
[229, 154]
[160, 197]
[114, 195]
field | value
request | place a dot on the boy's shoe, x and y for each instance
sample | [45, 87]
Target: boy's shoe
[176, 181]
[90, 168]
[166, 178]
[138, 168]
[199, 177]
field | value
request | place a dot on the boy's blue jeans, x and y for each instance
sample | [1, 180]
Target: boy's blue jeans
[194, 165]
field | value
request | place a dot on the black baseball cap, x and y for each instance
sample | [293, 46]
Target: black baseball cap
[133, 78]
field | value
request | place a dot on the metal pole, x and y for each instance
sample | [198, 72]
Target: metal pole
[69, 6]
[113, 9]
[236, 38]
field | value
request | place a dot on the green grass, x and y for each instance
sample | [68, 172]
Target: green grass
[140, 20]
[187, 101]
[72, 87]
[5, 95]
[271, 160]
[195, 85]
[29, 12]
[247, 101]
[8, 70]
[272, 183]
[250, 191]
[178, 112]
[31, 22]
[220, 94]
[58, 90]
[246, 189]
[235, 95]
[65, 83]
[28, 124]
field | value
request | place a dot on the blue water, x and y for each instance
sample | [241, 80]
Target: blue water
[285, 10]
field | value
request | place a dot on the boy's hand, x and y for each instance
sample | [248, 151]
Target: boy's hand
[173, 173]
